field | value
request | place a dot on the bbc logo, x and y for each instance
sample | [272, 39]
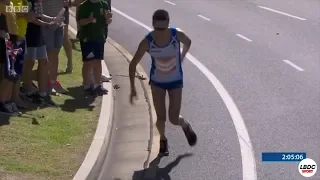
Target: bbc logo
[17, 9]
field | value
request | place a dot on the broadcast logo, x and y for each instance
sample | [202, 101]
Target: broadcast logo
[307, 167]
[17, 9]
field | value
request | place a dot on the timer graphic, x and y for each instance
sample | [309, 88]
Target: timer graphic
[283, 156]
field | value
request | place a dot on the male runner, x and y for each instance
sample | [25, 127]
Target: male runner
[92, 16]
[163, 44]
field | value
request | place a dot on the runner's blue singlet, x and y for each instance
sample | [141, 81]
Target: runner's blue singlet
[166, 67]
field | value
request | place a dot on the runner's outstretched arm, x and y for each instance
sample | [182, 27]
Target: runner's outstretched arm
[182, 37]
[142, 49]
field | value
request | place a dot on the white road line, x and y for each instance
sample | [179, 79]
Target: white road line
[203, 17]
[293, 65]
[247, 154]
[179, 29]
[283, 13]
[169, 2]
[243, 37]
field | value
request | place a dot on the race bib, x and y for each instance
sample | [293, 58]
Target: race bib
[166, 64]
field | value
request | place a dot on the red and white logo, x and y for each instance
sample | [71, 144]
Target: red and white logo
[307, 167]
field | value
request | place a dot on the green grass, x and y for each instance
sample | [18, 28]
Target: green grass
[56, 147]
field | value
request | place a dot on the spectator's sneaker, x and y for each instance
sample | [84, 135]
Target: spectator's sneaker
[100, 90]
[105, 78]
[14, 108]
[21, 104]
[35, 98]
[164, 149]
[90, 92]
[7, 109]
[24, 91]
[188, 131]
[47, 100]
[58, 87]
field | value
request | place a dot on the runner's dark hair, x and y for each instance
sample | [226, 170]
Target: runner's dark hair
[160, 16]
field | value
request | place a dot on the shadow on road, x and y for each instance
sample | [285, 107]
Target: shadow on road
[156, 173]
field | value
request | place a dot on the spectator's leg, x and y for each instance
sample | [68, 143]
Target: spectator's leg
[5, 84]
[27, 73]
[43, 70]
[87, 67]
[105, 78]
[43, 77]
[97, 68]
[15, 97]
[67, 45]
[54, 42]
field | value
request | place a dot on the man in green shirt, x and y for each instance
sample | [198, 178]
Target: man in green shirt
[92, 17]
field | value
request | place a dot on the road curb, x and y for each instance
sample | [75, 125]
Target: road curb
[154, 134]
[95, 156]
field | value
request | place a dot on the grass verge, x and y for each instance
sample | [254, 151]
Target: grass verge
[55, 148]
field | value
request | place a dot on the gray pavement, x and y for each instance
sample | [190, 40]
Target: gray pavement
[130, 134]
[279, 104]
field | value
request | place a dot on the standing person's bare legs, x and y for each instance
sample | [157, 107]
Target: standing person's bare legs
[67, 45]
[54, 41]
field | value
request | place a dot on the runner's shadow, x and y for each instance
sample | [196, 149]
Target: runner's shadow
[79, 101]
[156, 173]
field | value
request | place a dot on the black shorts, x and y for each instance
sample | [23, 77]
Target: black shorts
[92, 50]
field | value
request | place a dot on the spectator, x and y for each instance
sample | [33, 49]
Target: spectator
[8, 34]
[90, 20]
[53, 37]
[67, 45]
[22, 23]
[76, 3]
[36, 50]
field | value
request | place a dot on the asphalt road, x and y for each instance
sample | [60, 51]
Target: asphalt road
[267, 56]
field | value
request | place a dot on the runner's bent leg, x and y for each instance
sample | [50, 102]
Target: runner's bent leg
[175, 96]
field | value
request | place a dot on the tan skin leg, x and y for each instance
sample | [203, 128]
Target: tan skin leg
[175, 96]
[159, 101]
[67, 45]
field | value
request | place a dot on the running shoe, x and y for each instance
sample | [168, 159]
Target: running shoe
[164, 149]
[188, 131]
